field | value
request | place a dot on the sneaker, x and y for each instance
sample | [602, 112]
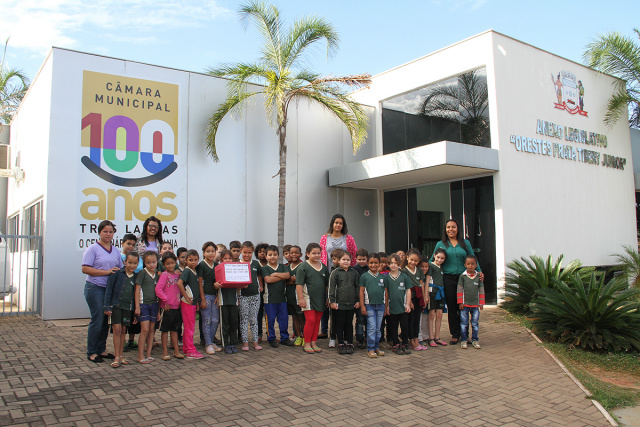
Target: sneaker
[228, 350]
[342, 349]
[332, 343]
[397, 349]
[274, 343]
[463, 344]
[132, 344]
[362, 344]
[287, 342]
[234, 350]
[372, 354]
[349, 348]
[195, 355]
[406, 348]
[475, 344]
[379, 352]
[210, 350]
[298, 341]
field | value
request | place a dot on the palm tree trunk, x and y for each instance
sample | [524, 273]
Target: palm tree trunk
[282, 189]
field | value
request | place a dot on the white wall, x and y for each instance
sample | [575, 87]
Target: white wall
[551, 205]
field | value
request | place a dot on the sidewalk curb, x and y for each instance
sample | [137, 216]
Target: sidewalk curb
[597, 404]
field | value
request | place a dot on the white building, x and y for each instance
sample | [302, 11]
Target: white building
[514, 148]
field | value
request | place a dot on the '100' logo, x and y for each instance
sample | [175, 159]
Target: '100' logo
[153, 146]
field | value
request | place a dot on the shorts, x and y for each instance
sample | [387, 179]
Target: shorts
[120, 316]
[148, 312]
[294, 310]
[435, 304]
[171, 320]
[135, 327]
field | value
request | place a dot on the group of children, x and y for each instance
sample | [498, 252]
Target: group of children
[165, 290]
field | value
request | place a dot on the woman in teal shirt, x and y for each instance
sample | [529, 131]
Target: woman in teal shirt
[457, 249]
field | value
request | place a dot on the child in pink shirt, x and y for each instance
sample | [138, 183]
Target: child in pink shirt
[169, 295]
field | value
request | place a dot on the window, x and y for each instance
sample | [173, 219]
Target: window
[456, 109]
[33, 222]
[13, 230]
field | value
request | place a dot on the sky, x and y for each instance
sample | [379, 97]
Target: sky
[375, 36]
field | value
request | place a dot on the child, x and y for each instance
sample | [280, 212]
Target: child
[470, 301]
[191, 298]
[373, 295]
[311, 288]
[209, 314]
[384, 270]
[147, 304]
[274, 276]
[435, 279]
[168, 293]
[229, 313]
[403, 257]
[336, 254]
[261, 256]
[249, 299]
[343, 297]
[128, 245]
[398, 305]
[384, 263]
[297, 317]
[117, 303]
[181, 253]
[419, 296]
[362, 260]
[221, 247]
[166, 247]
[235, 247]
[285, 253]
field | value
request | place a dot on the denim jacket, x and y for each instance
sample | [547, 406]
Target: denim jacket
[115, 287]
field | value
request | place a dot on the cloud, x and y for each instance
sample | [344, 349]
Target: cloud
[39, 24]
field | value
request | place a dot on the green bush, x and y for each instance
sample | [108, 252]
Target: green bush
[528, 277]
[587, 313]
[629, 265]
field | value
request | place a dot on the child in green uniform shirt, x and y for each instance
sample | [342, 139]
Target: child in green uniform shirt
[117, 304]
[470, 295]
[343, 298]
[312, 278]
[210, 314]
[373, 295]
[249, 299]
[147, 304]
[435, 279]
[419, 296]
[229, 313]
[398, 305]
[191, 297]
[297, 317]
[275, 276]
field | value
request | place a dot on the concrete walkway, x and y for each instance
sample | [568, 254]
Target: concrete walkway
[511, 382]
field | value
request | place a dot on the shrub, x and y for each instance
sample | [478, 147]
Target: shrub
[588, 313]
[629, 265]
[526, 278]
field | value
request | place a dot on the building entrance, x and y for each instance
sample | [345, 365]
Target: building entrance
[415, 218]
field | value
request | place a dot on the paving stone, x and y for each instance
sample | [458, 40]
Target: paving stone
[511, 382]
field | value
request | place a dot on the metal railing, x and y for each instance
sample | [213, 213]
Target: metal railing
[21, 272]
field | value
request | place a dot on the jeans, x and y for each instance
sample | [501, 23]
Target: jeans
[464, 323]
[99, 325]
[361, 323]
[375, 313]
[210, 319]
[277, 311]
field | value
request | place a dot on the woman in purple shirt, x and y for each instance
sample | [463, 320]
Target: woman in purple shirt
[151, 237]
[98, 262]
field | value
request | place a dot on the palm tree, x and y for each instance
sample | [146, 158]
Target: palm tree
[620, 56]
[282, 78]
[13, 87]
[465, 102]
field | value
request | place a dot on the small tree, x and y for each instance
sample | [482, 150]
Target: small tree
[618, 55]
[283, 79]
[13, 87]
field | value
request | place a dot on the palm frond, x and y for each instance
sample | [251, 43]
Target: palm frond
[266, 17]
[304, 33]
[232, 105]
[13, 87]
